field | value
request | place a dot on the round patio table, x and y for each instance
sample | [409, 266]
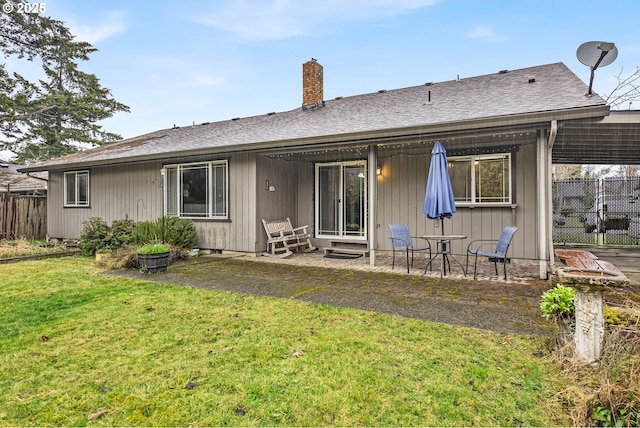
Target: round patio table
[443, 243]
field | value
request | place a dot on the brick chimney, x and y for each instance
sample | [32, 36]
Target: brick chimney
[312, 87]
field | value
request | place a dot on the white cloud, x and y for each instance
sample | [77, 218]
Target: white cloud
[485, 33]
[280, 19]
[112, 24]
[255, 20]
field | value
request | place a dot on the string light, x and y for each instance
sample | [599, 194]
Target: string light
[413, 149]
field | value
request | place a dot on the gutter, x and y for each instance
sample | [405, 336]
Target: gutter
[37, 178]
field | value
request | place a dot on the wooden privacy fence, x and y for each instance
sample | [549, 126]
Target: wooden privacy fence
[23, 216]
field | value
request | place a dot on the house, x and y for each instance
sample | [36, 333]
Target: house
[23, 203]
[12, 181]
[348, 166]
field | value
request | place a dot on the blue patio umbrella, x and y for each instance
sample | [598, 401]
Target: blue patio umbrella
[438, 200]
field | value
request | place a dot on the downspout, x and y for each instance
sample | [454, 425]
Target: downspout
[550, 142]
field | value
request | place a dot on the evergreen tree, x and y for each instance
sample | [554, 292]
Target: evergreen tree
[49, 117]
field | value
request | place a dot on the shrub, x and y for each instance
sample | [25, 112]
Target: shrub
[147, 231]
[558, 305]
[558, 302]
[122, 232]
[94, 236]
[180, 232]
[98, 235]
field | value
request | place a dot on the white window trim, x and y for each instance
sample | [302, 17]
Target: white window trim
[341, 220]
[210, 197]
[64, 183]
[473, 158]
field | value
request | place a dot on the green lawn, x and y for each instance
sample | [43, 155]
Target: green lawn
[75, 344]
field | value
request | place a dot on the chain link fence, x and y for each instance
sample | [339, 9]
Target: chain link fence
[597, 211]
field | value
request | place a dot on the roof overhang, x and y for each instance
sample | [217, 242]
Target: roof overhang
[612, 140]
[443, 130]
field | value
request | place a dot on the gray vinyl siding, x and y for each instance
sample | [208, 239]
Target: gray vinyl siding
[238, 232]
[278, 204]
[306, 188]
[401, 191]
[135, 192]
[115, 193]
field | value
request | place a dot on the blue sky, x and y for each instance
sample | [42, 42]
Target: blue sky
[180, 62]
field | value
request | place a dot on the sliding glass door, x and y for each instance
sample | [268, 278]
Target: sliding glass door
[341, 200]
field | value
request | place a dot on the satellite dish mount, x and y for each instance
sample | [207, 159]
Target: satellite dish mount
[596, 54]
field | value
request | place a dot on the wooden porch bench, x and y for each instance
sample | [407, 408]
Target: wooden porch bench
[282, 237]
[581, 259]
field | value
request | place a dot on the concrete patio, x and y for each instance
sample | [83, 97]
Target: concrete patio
[627, 259]
[518, 271]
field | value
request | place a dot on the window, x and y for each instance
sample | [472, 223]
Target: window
[484, 179]
[76, 189]
[197, 190]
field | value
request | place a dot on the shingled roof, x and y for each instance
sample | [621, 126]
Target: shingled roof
[528, 95]
[12, 181]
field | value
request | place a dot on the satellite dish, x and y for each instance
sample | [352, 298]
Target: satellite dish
[596, 54]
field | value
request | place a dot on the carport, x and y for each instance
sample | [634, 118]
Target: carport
[611, 140]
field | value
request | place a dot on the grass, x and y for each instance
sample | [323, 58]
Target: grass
[23, 247]
[81, 348]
